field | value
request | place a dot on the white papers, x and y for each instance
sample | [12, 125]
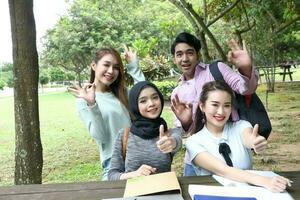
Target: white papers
[264, 193]
[240, 191]
[229, 182]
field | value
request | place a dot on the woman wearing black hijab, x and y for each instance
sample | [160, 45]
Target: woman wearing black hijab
[150, 146]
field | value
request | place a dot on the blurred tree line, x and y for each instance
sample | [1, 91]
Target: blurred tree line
[269, 28]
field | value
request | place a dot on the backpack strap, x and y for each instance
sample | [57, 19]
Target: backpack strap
[215, 71]
[124, 142]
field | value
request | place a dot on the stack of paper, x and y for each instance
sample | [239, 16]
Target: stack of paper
[239, 192]
[229, 182]
[236, 190]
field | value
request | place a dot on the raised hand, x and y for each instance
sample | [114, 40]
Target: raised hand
[144, 170]
[258, 142]
[87, 92]
[239, 57]
[183, 112]
[166, 142]
[129, 54]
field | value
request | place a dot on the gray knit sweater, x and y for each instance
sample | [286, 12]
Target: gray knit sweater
[141, 151]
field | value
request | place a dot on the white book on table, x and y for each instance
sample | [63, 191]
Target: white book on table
[238, 192]
[263, 193]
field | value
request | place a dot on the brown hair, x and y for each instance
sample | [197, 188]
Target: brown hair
[118, 86]
[207, 88]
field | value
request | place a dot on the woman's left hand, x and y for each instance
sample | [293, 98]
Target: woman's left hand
[166, 142]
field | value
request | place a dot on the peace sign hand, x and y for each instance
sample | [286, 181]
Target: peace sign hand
[239, 57]
[129, 54]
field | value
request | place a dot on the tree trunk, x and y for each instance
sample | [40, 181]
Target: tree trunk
[78, 73]
[28, 150]
[204, 48]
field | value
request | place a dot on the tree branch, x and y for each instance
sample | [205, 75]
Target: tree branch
[204, 28]
[284, 26]
[186, 14]
[223, 13]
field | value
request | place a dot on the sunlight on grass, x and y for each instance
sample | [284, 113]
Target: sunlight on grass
[79, 172]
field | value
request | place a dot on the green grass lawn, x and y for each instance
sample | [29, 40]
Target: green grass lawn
[70, 155]
[69, 152]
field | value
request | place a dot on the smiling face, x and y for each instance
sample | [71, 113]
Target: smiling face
[186, 59]
[149, 103]
[217, 109]
[107, 70]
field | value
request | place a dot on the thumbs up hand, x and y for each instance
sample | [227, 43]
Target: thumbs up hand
[259, 143]
[166, 142]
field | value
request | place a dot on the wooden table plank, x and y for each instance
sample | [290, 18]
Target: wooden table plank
[108, 189]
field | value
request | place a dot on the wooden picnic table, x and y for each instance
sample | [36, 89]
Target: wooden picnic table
[286, 70]
[282, 69]
[109, 189]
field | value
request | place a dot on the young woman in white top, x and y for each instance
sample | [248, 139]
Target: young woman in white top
[223, 147]
[103, 103]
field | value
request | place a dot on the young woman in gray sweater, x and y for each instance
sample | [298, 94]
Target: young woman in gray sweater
[151, 145]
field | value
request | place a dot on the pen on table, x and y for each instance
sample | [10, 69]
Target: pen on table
[290, 183]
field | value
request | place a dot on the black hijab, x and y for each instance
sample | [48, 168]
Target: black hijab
[141, 126]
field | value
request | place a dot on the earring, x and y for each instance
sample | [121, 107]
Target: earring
[203, 118]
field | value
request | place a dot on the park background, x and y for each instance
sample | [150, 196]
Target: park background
[270, 30]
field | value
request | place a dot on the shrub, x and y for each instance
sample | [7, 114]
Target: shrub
[2, 84]
[166, 88]
[44, 79]
[155, 67]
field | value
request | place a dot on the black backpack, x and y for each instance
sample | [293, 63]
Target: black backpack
[249, 107]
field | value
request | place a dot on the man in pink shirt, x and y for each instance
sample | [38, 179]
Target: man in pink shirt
[185, 97]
